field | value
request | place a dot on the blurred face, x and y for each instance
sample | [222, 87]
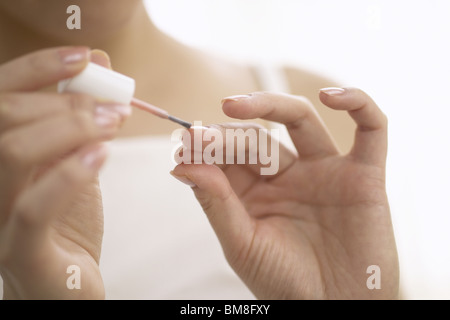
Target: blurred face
[100, 19]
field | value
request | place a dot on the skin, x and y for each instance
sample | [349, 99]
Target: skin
[40, 172]
[312, 230]
[50, 204]
[161, 66]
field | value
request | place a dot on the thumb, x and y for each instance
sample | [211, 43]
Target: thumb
[101, 58]
[226, 214]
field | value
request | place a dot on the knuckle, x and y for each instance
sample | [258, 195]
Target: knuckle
[303, 110]
[206, 203]
[80, 101]
[25, 215]
[305, 101]
[361, 92]
[38, 65]
[368, 102]
[82, 123]
[307, 107]
[35, 62]
[362, 96]
[301, 102]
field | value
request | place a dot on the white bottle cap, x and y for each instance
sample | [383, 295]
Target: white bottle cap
[101, 83]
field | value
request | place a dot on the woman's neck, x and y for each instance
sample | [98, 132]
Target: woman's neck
[126, 47]
[17, 39]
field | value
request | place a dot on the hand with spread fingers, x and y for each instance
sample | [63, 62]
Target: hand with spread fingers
[319, 227]
[51, 219]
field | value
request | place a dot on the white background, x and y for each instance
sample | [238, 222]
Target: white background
[398, 51]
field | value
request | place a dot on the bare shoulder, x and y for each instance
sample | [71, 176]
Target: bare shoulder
[307, 83]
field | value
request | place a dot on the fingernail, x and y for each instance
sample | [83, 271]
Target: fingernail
[123, 111]
[236, 98]
[184, 179]
[333, 91]
[74, 55]
[105, 120]
[94, 159]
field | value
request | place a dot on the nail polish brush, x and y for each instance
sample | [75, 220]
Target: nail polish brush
[107, 84]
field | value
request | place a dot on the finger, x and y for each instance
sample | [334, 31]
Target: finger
[237, 143]
[53, 194]
[45, 141]
[241, 178]
[371, 134]
[101, 58]
[22, 108]
[228, 217]
[309, 134]
[41, 144]
[42, 68]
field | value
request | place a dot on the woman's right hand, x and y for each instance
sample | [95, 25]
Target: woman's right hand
[320, 226]
[50, 153]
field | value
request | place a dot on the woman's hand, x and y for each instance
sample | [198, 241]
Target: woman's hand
[50, 152]
[313, 230]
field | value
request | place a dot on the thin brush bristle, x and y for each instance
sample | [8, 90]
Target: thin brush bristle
[158, 112]
[185, 124]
